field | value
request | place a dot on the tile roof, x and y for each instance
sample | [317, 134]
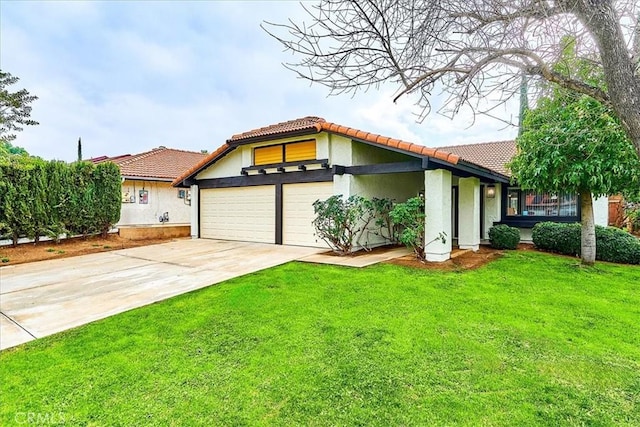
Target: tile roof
[490, 155]
[160, 163]
[318, 124]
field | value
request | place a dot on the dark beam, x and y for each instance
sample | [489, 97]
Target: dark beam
[320, 175]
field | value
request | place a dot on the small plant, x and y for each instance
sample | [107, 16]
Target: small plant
[340, 222]
[60, 251]
[410, 217]
[106, 247]
[5, 260]
[50, 250]
[502, 236]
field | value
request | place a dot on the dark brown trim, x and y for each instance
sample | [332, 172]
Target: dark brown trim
[285, 164]
[274, 136]
[199, 220]
[382, 168]
[279, 208]
[320, 175]
[482, 190]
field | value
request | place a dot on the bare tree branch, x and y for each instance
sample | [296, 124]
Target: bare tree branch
[472, 51]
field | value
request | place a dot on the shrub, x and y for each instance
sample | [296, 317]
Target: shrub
[616, 245]
[557, 237]
[612, 244]
[409, 216]
[339, 222]
[504, 237]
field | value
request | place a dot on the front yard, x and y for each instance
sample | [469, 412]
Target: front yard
[530, 339]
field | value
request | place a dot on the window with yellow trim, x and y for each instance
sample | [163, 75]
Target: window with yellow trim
[298, 151]
[291, 152]
[267, 155]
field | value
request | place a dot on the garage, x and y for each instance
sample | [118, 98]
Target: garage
[297, 212]
[239, 213]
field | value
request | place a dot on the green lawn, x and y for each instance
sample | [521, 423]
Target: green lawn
[531, 339]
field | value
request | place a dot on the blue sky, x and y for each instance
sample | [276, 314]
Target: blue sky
[129, 76]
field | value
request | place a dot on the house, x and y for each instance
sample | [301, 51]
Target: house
[260, 185]
[151, 207]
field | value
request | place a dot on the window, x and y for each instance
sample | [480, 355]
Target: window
[533, 203]
[290, 152]
[267, 155]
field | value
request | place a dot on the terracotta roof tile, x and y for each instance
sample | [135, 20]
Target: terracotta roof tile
[159, 163]
[491, 155]
[304, 123]
[202, 163]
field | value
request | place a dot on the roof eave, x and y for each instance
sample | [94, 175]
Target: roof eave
[273, 136]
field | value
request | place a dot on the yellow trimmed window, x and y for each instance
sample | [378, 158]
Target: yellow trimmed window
[297, 151]
[267, 155]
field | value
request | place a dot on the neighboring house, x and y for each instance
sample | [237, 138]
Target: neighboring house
[147, 194]
[260, 185]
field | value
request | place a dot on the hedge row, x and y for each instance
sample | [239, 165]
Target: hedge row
[612, 244]
[40, 198]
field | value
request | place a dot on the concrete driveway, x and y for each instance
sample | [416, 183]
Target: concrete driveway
[42, 298]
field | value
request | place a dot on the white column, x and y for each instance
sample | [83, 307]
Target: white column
[469, 213]
[195, 221]
[437, 206]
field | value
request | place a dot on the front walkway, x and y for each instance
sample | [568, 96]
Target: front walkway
[42, 298]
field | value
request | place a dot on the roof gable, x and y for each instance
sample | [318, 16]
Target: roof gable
[310, 125]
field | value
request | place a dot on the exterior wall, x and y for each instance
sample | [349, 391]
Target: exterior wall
[162, 197]
[492, 209]
[601, 211]
[153, 232]
[229, 165]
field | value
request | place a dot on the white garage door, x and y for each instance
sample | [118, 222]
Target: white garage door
[240, 213]
[297, 212]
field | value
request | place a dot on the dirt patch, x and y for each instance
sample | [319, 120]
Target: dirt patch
[465, 261]
[362, 252]
[30, 252]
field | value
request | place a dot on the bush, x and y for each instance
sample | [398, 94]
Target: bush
[410, 217]
[616, 245]
[557, 237]
[504, 237]
[339, 222]
[612, 244]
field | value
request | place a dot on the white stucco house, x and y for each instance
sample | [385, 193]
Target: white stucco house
[260, 185]
[147, 193]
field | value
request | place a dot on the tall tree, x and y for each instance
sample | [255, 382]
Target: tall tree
[573, 143]
[473, 50]
[14, 108]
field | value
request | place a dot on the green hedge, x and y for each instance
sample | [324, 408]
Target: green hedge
[612, 244]
[40, 198]
[502, 236]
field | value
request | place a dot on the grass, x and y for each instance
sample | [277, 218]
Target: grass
[531, 339]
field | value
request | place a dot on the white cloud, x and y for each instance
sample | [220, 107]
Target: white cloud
[129, 76]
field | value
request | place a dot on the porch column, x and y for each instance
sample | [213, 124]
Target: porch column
[437, 207]
[195, 219]
[469, 213]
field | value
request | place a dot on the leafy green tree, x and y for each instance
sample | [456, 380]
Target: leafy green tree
[340, 222]
[410, 218]
[573, 143]
[15, 110]
[107, 193]
[8, 149]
